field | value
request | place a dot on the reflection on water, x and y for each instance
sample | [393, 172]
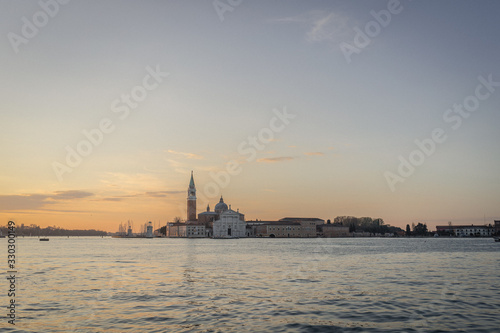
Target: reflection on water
[258, 285]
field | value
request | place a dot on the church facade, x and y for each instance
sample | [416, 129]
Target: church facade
[230, 224]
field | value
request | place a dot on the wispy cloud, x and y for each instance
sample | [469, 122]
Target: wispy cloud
[162, 194]
[69, 195]
[185, 155]
[152, 194]
[314, 153]
[110, 199]
[321, 25]
[39, 201]
[275, 159]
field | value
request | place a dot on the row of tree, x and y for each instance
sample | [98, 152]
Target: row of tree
[35, 230]
[367, 224]
[417, 230]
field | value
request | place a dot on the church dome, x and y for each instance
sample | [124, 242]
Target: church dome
[221, 206]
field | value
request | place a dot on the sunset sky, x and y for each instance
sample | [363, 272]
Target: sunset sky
[107, 106]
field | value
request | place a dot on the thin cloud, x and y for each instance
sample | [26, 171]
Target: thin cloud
[69, 195]
[162, 194]
[185, 155]
[39, 201]
[110, 199]
[275, 159]
[314, 153]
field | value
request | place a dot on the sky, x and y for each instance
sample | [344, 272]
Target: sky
[387, 109]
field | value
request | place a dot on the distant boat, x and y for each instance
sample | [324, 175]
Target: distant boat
[497, 239]
[43, 239]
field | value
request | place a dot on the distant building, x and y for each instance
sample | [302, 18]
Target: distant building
[466, 230]
[179, 229]
[308, 225]
[278, 229]
[497, 227]
[176, 229]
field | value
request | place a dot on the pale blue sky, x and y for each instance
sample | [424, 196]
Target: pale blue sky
[225, 78]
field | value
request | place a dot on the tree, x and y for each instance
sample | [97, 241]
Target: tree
[408, 230]
[163, 230]
[420, 229]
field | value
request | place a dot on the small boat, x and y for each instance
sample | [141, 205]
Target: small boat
[497, 239]
[43, 239]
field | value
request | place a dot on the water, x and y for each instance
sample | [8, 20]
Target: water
[256, 285]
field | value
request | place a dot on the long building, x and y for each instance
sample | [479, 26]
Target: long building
[466, 230]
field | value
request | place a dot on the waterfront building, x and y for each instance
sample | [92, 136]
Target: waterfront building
[466, 230]
[278, 229]
[308, 225]
[176, 229]
[183, 230]
[497, 227]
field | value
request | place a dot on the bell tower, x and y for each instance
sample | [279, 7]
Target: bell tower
[191, 200]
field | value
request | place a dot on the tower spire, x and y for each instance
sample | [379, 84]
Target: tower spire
[191, 200]
[191, 182]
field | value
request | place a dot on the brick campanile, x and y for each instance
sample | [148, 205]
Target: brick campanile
[191, 200]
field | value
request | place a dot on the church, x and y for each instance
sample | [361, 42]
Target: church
[223, 222]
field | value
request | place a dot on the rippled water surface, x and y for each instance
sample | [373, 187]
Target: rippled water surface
[256, 285]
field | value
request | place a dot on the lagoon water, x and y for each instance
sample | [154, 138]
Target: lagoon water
[256, 285]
